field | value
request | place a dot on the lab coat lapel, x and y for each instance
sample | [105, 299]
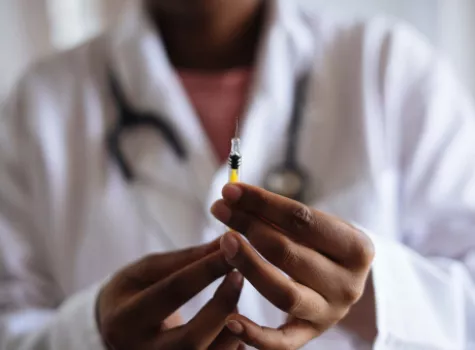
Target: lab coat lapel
[175, 192]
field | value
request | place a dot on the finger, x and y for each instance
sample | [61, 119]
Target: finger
[155, 267]
[333, 282]
[177, 339]
[292, 216]
[226, 341]
[289, 296]
[207, 325]
[292, 335]
[303, 264]
[169, 294]
[330, 236]
[210, 321]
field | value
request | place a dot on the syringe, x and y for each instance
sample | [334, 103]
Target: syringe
[235, 157]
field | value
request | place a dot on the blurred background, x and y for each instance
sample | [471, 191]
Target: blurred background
[33, 28]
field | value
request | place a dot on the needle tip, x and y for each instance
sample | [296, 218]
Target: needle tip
[236, 135]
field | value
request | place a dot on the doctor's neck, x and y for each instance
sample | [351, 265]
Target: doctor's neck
[209, 34]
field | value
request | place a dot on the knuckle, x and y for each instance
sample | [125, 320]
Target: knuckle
[288, 256]
[317, 307]
[363, 251]
[302, 217]
[291, 301]
[351, 293]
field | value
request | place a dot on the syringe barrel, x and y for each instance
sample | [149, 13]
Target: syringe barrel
[234, 175]
[236, 147]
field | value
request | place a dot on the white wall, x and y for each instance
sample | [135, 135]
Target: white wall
[423, 13]
[74, 21]
[24, 35]
[449, 24]
[456, 32]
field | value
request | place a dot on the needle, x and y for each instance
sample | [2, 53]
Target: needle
[236, 135]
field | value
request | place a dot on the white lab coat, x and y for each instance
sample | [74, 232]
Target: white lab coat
[388, 138]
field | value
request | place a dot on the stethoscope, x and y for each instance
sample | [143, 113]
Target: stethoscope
[287, 179]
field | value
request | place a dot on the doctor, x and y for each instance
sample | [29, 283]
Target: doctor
[95, 257]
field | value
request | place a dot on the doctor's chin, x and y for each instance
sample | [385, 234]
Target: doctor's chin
[230, 175]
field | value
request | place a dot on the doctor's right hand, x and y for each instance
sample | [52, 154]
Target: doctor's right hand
[138, 308]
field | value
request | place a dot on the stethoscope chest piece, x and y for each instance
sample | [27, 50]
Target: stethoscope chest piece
[288, 181]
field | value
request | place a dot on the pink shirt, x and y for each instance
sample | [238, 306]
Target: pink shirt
[219, 99]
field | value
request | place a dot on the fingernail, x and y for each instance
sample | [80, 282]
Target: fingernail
[221, 212]
[232, 193]
[236, 280]
[235, 327]
[230, 246]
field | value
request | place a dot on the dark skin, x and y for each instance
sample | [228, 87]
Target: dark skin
[132, 314]
[328, 260]
[209, 34]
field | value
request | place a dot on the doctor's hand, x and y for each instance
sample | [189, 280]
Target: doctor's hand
[137, 309]
[327, 260]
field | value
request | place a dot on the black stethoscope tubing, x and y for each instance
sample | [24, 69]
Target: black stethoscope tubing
[128, 119]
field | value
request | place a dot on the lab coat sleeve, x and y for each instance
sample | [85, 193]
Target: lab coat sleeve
[33, 315]
[424, 281]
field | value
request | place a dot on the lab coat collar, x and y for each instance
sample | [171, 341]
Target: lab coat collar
[140, 61]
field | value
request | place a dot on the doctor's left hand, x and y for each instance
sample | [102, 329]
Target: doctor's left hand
[139, 307]
[327, 259]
